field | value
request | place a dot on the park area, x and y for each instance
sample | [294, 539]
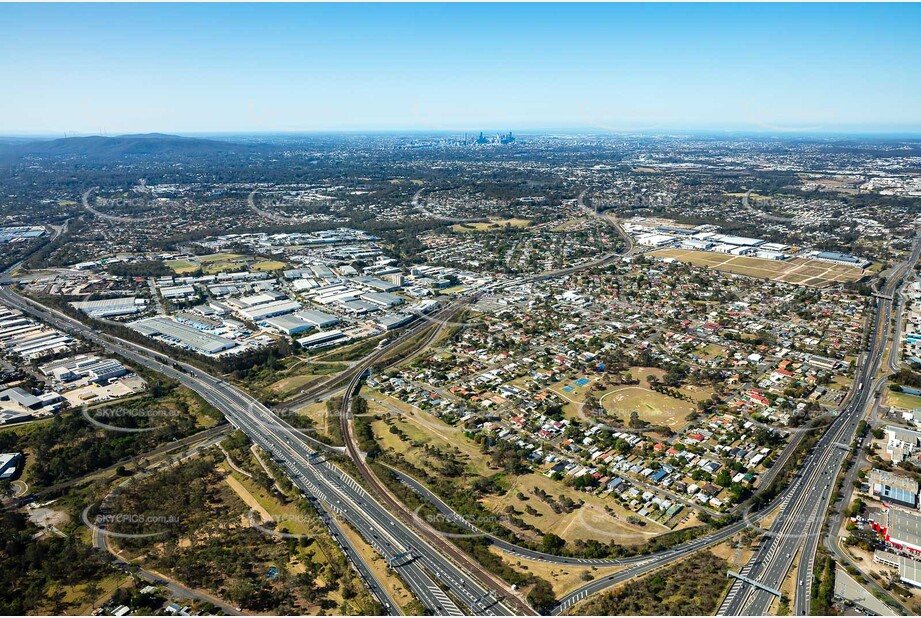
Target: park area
[619, 400]
[541, 502]
[801, 271]
[652, 407]
[223, 262]
[492, 224]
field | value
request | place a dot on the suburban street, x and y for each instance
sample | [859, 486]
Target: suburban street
[419, 564]
[442, 318]
[799, 524]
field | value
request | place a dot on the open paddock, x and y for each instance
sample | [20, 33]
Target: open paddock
[492, 224]
[182, 267]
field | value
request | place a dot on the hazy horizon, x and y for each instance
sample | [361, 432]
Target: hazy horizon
[489, 131]
[269, 68]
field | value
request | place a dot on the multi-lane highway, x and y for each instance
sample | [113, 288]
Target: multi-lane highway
[434, 579]
[418, 564]
[437, 573]
[844, 425]
[797, 528]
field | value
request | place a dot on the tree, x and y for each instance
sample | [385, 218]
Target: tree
[635, 421]
[541, 596]
[551, 543]
[92, 591]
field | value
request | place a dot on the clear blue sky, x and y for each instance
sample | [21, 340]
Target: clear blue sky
[284, 67]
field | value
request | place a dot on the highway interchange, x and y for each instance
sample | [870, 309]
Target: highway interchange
[444, 580]
[326, 483]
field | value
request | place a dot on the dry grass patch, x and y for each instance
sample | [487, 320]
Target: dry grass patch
[801, 271]
[590, 521]
[492, 224]
[564, 578]
[652, 407]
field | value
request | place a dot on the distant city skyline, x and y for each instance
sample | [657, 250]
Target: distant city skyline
[248, 68]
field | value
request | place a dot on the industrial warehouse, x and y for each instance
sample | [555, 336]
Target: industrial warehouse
[27, 339]
[175, 333]
[901, 528]
[706, 238]
[901, 490]
[111, 307]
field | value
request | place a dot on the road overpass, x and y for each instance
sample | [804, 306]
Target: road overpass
[798, 527]
[428, 577]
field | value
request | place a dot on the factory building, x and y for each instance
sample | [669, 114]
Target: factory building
[738, 241]
[841, 258]
[391, 321]
[696, 244]
[111, 307]
[317, 318]
[29, 401]
[8, 464]
[377, 284]
[177, 291]
[322, 340]
[359, 307]
[901, 528]
[909, 569]
[270, 310]
[901, 443]
[182, 335]
[892, 488]
[98, 370]
[288, 324]
[655, 240]
[256, 300]
[384, 299]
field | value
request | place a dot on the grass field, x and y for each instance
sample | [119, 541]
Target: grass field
[563, 577]
[267, 266]
[423, 428]
[800, 271]
[569, 224]
[269, 507]
[292, 384]
[590, 521]
[575, 396]
[902, 400]
[753, 195]
[77, 596]
[492, 224]
[182, 267]
[304, 375]
[652, 407]
[218, 257]
[220, 262]
[226, 266]
[711, 351]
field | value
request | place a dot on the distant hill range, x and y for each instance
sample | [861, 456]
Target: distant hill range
[98, 147]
